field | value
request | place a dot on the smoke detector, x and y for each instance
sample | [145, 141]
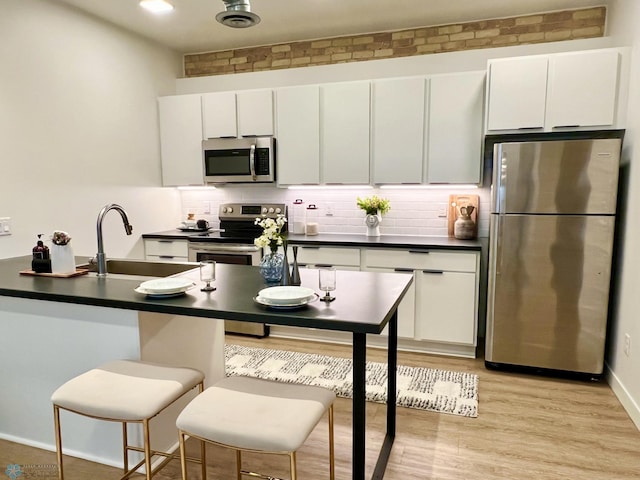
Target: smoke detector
[237, 14]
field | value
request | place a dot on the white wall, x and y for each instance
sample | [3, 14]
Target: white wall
[78, 128]
[625, 370]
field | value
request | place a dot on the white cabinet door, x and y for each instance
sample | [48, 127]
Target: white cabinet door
[255, 113]
[219, 115]
[397, 129]
[583, 89]
[344, 151]
[298, 135]
[455, 128]
[181, 140]
[517, 93]
[406, 309]
[446, 304]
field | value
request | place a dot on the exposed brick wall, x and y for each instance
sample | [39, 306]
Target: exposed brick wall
[502, 32]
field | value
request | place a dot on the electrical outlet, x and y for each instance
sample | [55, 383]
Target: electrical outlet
[627, 344]
[206, 208]
[329, 210]
[442, 210]
[5, 226]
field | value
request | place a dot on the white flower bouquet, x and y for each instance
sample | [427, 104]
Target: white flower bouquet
[272, 235]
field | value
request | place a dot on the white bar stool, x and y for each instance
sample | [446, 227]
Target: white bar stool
[254, 415]
[125, 391]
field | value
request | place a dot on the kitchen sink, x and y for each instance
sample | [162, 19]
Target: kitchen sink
[141, 268]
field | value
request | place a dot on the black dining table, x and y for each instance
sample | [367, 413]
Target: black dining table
[365, 303]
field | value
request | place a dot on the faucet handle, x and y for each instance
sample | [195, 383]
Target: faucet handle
[92, 260]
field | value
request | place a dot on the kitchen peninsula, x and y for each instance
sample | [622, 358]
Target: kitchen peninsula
[73, 324]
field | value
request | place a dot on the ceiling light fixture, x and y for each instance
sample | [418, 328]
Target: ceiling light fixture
[156, 6]
[237, 14]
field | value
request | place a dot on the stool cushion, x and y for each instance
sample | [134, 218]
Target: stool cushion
[126, 390]
[254, 414]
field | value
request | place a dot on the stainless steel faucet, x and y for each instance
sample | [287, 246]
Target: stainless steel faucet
[101, 259]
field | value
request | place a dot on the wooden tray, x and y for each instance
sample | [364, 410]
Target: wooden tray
[79, 271]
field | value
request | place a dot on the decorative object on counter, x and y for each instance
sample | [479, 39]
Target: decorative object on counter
[285, 279]
[464, 228]
[41, 262]
[327, 281]
[272, 237]
[311, 226]
[299, 218]
[295, 271]
[374, 207]
[202, 224]
[455, 203]
[207, 274]
[442, 391]
[62, 259]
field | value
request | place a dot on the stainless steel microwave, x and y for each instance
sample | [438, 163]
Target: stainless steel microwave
[239, 160]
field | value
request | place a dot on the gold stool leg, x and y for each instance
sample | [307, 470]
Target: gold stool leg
[56, 422]
[332, 468]
[294, 473]
[147, 448]
[125, 447]
[183, 456]
[239, 464]
[203, 444]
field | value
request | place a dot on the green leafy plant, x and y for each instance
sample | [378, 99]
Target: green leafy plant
[374, 204]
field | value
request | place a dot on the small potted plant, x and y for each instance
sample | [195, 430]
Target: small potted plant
[374, 207]
[272, 237]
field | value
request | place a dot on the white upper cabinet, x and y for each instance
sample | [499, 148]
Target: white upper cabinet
[238, 114]
[255, 113]
[576, 90]
[181, 140]
[344, 139]
[454, 146]
[219, 115]
[582, 89]
[397, 130]
[298, 135]
[517, 93]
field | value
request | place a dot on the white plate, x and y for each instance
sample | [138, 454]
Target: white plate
[166, 285]
[286, 306]
[286, 295]
[159, 295]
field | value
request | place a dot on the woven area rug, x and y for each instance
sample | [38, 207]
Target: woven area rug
[422, 388]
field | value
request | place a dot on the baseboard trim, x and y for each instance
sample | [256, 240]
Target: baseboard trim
[627, 401]
[84, 456]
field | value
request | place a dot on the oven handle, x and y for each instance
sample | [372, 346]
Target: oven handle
[223, 248]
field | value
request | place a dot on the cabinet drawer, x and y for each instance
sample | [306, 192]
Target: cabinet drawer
[422, 259]
[166, 248]
[328, 255]
[165, 258]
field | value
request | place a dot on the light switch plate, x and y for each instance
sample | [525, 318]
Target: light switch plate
[5, 225]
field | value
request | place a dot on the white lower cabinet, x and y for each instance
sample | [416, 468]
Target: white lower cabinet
[166, 250]
[446, 306]
[439, 313]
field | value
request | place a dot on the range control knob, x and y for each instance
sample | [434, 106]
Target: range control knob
[264, 210]
[271, 210]
[228, 209]
[278, 211]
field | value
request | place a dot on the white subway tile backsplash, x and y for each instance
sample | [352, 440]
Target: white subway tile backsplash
[413, 212]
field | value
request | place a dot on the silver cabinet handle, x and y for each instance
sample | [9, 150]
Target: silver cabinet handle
[433, 272]
[422, 252]
[404, 270]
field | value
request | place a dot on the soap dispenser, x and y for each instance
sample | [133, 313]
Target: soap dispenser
[41, 262]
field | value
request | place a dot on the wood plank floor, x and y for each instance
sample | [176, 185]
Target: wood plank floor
[528, 427]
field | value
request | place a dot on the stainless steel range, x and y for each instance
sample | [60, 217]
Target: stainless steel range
[234, 244]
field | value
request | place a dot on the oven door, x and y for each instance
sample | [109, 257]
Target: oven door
[239, 254]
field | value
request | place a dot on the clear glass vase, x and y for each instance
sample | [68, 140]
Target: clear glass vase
[271, 266]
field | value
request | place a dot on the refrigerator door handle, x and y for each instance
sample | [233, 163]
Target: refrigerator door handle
[499, 172]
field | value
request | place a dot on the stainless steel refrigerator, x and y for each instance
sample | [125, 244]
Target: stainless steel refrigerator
[551, 239]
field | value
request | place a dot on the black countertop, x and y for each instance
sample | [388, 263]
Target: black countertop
[365, 309]
[338, 239]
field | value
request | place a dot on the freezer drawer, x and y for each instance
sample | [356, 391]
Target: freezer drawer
[549, 291]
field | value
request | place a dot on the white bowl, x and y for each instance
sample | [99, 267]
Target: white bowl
[286, 295]
[166, 285]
